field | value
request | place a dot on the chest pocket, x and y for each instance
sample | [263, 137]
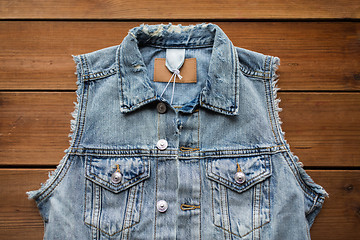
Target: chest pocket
[240, 193]
[113, 194]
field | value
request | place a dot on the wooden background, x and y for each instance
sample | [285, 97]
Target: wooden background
[318, 43]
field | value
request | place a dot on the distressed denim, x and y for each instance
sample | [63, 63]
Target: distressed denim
[225, 170]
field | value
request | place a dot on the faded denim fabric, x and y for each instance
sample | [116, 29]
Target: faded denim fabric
[227, 171]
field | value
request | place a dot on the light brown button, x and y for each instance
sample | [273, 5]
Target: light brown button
[161, 107]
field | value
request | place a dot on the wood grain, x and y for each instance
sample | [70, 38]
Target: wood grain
[314, 55]
[322, 128]
[339, 218]
[186, 9]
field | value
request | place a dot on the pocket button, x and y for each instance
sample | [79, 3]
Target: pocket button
[240, 177]
[116, 177]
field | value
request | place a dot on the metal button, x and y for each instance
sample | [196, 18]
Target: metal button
[162, 206]
[162, 144]
[161, 107]
[116, 177]
[240, 177]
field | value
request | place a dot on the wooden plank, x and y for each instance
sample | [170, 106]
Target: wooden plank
[322, 128]
[19, 217]
[314, 55]
[186, 9]
[338, 219]
[34, 127]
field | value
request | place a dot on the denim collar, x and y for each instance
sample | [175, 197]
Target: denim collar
[221, 91]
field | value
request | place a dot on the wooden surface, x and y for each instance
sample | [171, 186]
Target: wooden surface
[185, 9]
[318, 43]
[314, 55]
[322, 128]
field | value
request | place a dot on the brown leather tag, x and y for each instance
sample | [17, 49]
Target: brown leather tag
[187, 71]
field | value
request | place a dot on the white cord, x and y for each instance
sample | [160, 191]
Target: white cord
[176, 73]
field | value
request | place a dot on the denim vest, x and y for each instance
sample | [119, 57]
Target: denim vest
[157, 160]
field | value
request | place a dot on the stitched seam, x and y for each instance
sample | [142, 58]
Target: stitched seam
[143, 149]
[92, 76]
[253, 205]
[134, 190]
[299, 179]
[182, 157]
[158, 126]
[202, 102]
[85, 200]
[251, 75]
[236, 78]
[99, 229]
[200, 200]
[230, 230]
[313, 206]
[86, 65]
[156, 192]
[146, 171]
[114, 191]
[248, 183]
[114, 232]
[138, 104]
[245, 233]
[226, 208]
[53, 187]
[222, 207]
[267, 107]
[82, 116]
[212, 194]
[85, 197]
[273, 100]
[81, 105]
[96, 210]
[192, 46]
[127, 210]
[142, 192]
[198, 145]
[269, 204]
[259, 211]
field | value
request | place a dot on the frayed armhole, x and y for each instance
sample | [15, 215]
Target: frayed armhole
[295, 159]
[55, 177]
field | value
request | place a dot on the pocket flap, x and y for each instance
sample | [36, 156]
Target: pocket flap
[223, 170]
[100, 169]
